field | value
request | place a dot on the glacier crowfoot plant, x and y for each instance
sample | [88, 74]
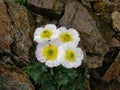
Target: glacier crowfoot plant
[58, 46]
[58, 55]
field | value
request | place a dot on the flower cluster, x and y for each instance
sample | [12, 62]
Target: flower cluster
[58, 46]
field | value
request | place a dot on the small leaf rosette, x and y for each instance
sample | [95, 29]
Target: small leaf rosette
[49, 32]
[71, 56]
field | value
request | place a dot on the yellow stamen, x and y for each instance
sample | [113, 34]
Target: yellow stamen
[46, 34]
[50, 52]
[66, 37]
[70, 55]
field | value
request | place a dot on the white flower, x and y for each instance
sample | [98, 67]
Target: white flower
[48, 53]
[66, 36]
[71, 57]
[49, 32]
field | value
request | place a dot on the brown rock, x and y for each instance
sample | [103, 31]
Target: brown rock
[11, 78]
[22, 31]
[116, 20]
[93, 61]
[115, 42]
[114, 71]
[47, 8]
[6, 27]
[116, 4]
[76, 16]
[117, 36]
[114, 0]
[104, 8]
[1, 51]
[48, 4]
[7, 60]
[105, 29]
[88, 2]
[105, 86]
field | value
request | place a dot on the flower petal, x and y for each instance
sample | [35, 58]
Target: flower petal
[38, 54]
[38, 30]
[50, 26]
[80, 53]
[53, 63]
[74, 32]
[62, 29]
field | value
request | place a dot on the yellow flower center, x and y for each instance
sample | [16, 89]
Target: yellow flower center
[70, 55]
[66, 37]
[46, 34]
[50, 52]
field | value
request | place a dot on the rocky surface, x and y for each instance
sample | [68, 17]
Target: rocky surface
[22, 30]
[103, 8]
[17, 31]
[48, 8]
[105, 86]
[78, 17]
[11, 78]
[116, 20]
[113, 72]
[6, 26]
[97, 21]
[115, 42]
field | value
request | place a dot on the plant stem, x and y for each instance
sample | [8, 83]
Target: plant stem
[51, 71]
[58, 87]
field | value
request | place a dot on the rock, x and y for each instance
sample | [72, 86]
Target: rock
[104, 8]
[23, 31]
[109, 59]
[11, 78]
[117, 36]
[105, 29]
[114, 85]
[48, 4]
[116, 4]
[114, 0]
[115, 43]
[47, 8]
[6, 28]
[7, 60]
[114, 71]
[76, 16]
[88, 2]
[93, 61]
[38, 20]
[1, 51]
[116, 20]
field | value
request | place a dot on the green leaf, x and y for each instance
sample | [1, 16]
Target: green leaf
[62, 78]
[22, 2]
[35, 76]
[63, 81]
